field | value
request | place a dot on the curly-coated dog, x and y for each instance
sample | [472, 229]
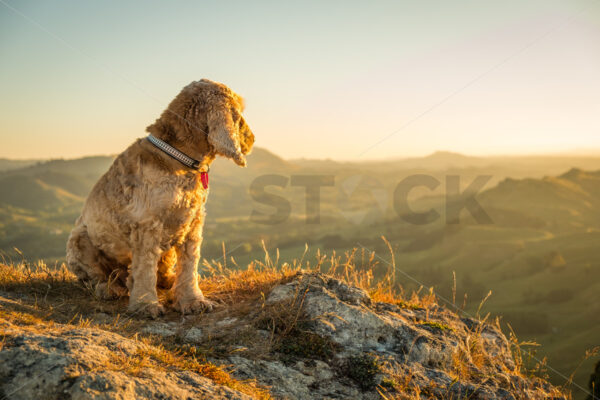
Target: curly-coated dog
[141, 226]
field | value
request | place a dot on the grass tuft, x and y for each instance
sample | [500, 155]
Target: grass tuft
[52, 299]
[363, 369]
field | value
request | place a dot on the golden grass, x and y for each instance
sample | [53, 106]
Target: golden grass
[56, 302]
[51, 297]
[151, 355]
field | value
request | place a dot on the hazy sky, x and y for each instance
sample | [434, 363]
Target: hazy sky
[321, 78]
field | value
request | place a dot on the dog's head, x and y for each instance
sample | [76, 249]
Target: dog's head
[208, 115]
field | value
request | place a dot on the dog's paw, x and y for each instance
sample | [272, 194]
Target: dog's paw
[194, 305]
[146, 309]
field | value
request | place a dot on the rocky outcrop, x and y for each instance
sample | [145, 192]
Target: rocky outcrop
[360, 349]
[313, 337]
[84, 364]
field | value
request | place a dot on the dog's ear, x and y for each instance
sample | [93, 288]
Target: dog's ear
[224, 135]
[246, 137]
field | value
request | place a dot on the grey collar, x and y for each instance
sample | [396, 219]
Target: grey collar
[174, 153]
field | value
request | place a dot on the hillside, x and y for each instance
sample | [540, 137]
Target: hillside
[278, 333]
[53, 185]
[539, 257]
[40, 201]
[34, 193]
[566, 202]
[8, 164]
[45, 197]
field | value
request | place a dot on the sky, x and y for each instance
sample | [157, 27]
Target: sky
[345, 80]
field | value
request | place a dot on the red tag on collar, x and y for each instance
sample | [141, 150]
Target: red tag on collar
[204, 179]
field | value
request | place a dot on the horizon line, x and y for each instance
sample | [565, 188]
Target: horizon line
[576, 153]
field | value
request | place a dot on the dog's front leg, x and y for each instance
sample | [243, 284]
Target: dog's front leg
[143, 297]
[188, 296]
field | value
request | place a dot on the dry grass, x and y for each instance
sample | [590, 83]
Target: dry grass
[46, 298]
[149, 354]
[57, 291]
[156, 356]
[49, 300]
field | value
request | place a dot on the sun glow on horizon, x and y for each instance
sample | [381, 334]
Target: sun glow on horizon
[379, 82]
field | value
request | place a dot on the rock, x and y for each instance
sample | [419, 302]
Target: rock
[226, 322]
[160, 329]
[193, 335]
[282, 293]
[75, 364]
[381, 346]
[314, 337]
[282, 379]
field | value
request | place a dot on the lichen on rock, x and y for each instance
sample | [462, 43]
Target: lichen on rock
[310, 336]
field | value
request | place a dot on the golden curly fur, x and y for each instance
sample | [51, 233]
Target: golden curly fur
[141, 225]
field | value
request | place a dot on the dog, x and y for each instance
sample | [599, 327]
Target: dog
[141, 225]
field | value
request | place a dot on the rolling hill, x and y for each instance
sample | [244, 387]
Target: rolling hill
[568, 201]
[8, 164]
[539, 257]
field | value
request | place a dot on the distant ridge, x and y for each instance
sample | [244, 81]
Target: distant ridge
[445, 160]
[7, 164]
[34, 194]
[571, 199]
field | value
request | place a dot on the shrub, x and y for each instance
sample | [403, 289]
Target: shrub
[363, 369]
